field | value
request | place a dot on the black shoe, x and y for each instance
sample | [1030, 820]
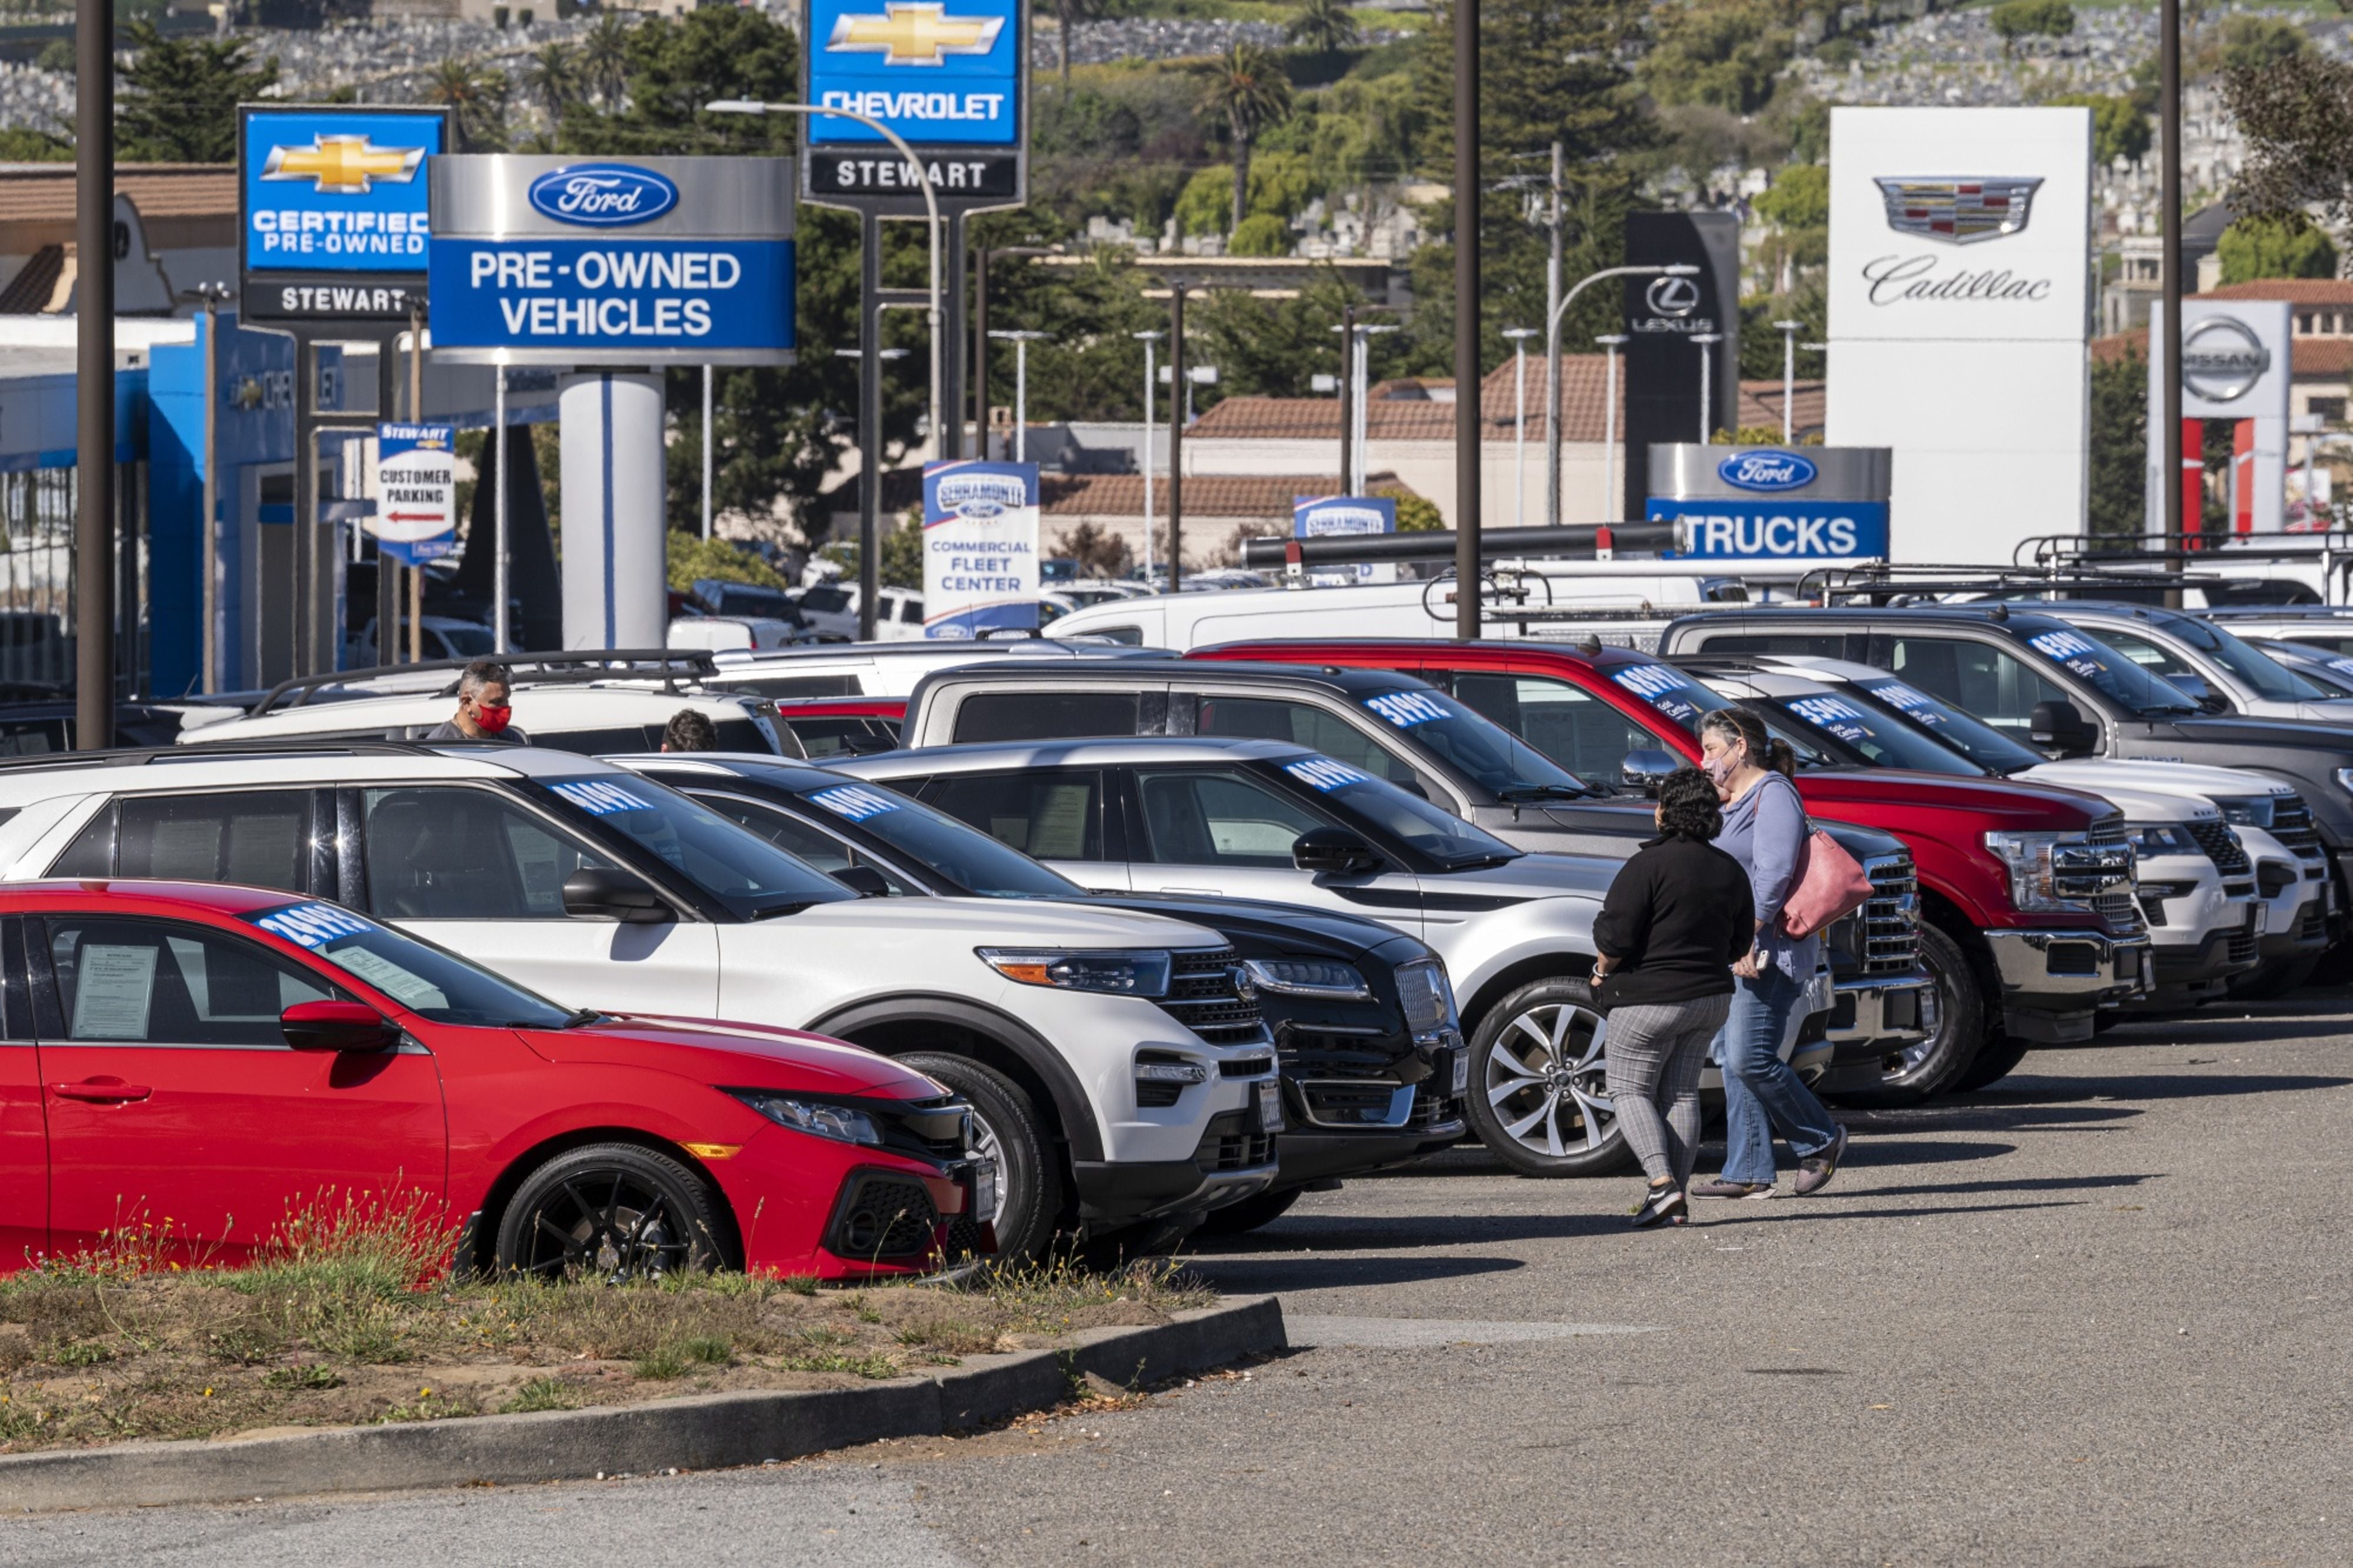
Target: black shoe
[1815, 1171]
[1661, 1204]
[1720, 1188]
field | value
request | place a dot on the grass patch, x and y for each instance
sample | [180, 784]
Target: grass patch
[347, 1316]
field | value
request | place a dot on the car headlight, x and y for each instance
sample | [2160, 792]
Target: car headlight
[2248, 810]
[2345, 780]
[1320, 977]
[1119, 970]
[2160, 838]
[1429, 999]
[842, 1123]
[2060, 872]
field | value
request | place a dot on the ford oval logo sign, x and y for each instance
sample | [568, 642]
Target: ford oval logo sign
[1766, 471]
[602, 196]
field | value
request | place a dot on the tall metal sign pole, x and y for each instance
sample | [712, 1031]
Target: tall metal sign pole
[1176, 436]
[1466, 318]
[2168, 201]
[94, 376]
[948, 82]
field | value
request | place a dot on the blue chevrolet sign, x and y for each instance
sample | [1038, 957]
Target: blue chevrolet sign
[938, 72]
[334, 220]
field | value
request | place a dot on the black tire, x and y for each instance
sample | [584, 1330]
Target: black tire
[1998, 1060]
[1234, 1219]
[615, 1211]
[1537, 1114]
[2274, 980]
[1028, 1170]
[1955, 1036]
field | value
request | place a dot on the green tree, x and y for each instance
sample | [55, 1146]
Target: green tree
[692, 556]
[1724, 53]
[902, 565]
[178, 98]
[1798, 197]
[2016, 19]
[1324, 25]
[2287, 246]
[475, 92]
[1260, 234]
[1416, 514]
[2120, 124]
[1247, 92]
[2120, 455]
[58, 55]
[552, 75]
[2297, 117]
[674, 67]
[604, 60]
[1066, 13]
[20, 145]
[2253, 43]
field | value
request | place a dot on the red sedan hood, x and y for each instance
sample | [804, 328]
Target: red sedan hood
[741, 1054]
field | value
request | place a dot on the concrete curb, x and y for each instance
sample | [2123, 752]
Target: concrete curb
[703, 1432]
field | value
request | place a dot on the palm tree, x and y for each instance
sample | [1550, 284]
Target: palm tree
[1248, 92]
[1322, 26]
[1067, 12]
[553, 75]
[476, 95]
[605, 59]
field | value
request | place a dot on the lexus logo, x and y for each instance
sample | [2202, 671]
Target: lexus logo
[1672, 296]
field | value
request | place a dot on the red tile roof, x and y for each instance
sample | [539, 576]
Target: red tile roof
[2294, 290]
[2313, 358]
[1257, 496]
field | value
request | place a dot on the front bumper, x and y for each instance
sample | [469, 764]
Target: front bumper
[2196, 972]
[1236, 1160]
[2054, 979]
[1869, 1014]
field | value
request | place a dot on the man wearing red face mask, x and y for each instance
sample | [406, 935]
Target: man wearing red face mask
[483, 716]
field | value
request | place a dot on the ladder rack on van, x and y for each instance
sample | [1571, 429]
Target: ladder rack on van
[1882, 584]
[2331, 549]
[668, 664]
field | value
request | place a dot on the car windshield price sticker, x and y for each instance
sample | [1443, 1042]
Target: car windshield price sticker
[1919, 705]
[854, 802]
[1834, 715]
[314, 925]
[1661, 688]
[1324, 774]
[1406, 708]
[2073, 649]
[599, 799]
[112, 987]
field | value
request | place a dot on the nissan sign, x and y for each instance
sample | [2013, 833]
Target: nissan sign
[2221, 359]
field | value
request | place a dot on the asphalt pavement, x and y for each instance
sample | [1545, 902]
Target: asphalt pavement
[2091, 1316]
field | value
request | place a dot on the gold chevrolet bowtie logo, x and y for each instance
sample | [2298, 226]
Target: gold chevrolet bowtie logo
[914, 34]
[347, 165]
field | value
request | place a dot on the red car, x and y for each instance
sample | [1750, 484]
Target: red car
[216, 1055]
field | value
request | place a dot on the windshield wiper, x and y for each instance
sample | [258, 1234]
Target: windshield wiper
[579, 1017]
[766, 912]
[1543, 792]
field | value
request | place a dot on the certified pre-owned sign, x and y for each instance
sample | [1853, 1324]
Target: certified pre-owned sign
[602, 196]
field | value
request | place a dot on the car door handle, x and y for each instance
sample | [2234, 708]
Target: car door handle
[102, 1091]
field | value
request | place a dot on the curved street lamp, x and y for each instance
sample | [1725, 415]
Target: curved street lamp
[1552, 357]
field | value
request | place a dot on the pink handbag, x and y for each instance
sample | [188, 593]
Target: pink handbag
[1831, 886]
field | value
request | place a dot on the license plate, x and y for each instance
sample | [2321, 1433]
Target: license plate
[983, 1190]
[1462, 1072]
[1269, 1105]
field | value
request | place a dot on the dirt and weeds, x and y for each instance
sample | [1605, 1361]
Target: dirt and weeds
[349, 1317]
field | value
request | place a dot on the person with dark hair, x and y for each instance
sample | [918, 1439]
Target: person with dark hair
[1765, 829]
[689, 730]
[1674, 920]
[484, 713]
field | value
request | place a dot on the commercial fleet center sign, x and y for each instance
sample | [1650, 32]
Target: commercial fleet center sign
[550, 260]
[1960, 307]
[980, 548]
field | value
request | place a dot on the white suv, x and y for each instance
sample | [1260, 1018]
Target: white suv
[1118, 1070]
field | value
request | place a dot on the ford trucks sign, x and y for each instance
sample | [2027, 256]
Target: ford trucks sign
[602, 196]
[1768, 471]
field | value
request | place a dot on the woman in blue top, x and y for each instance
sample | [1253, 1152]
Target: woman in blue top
[1765, 830]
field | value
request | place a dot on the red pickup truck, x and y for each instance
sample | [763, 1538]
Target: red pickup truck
[2026, 890]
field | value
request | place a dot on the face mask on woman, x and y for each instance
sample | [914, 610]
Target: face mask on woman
[1720, 767]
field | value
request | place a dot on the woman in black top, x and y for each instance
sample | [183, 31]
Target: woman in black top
[1677, 917]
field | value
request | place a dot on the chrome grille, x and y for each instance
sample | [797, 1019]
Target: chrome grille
[1203, 995]
[2221, 845]
[2120, 910]
[2292, 825]
[1889, 931]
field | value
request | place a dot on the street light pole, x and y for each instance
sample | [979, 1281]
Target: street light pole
[1348, 331]
[1150, 392]
[1706, 342]
[1467, 432]
[980, 333]
[1360, 480]
[1175, 437]
[94, 375]
[1610, 344]
[1788, 380]
[1519, 336]
[1022, 341]
[1552, 335]
[1552, 352]
[2168, 201]
[706, 452]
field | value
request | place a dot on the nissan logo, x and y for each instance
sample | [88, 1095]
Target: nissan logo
[2221, 359]
[1672, 296]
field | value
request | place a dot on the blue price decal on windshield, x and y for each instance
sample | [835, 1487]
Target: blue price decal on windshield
[1835, 714]
[2075, 650]
[600, 799]
[1406, 708]
[1660, 687]
[313, 925]
[1917, 704]
[2342, 664]
[854, 802]
[1324, 774]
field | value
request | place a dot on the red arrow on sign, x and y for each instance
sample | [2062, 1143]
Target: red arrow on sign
[414, 516]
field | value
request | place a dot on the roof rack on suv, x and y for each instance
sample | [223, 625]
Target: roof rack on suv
[670, 663]
[1887, 581]
[2333, 548]
[210, 752]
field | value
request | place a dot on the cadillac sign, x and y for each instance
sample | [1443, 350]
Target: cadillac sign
[1958, 211]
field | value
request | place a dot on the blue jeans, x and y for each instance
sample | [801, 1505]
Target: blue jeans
[1761, 1092]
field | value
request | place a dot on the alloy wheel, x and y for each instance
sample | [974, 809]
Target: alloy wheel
[612, 1225]
[1547, 1081]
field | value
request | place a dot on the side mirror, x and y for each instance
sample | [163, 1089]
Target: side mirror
[336, 1026]
[601, 892]
[1332, 849]
[2060, 727]
[863, 880]
[1642, 771]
